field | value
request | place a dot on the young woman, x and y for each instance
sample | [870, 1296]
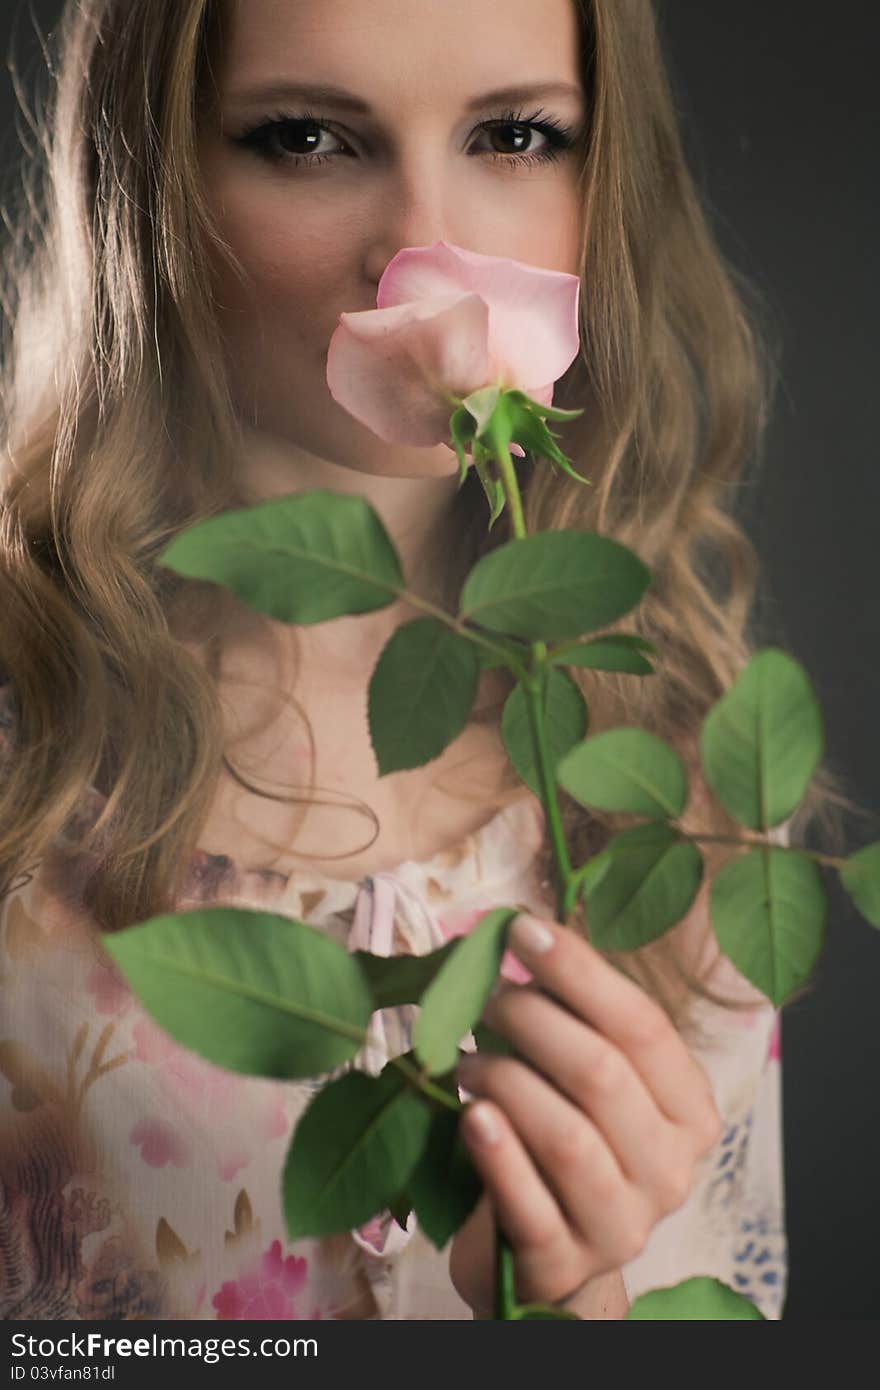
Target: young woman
[209, 208]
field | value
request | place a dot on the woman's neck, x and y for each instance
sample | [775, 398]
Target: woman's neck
[415, 511]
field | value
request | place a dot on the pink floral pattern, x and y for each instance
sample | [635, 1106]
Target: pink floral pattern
[201, 1090]
[159, 1144]
[266, 1291]
[109, 991]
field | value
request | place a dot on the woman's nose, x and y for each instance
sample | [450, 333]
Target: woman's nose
[414, 212]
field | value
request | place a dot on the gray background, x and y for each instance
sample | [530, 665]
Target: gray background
[779, 110]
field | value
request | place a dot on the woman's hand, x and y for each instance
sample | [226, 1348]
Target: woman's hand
[589, 1140]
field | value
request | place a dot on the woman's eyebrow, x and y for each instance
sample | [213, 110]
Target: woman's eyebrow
[273, 91]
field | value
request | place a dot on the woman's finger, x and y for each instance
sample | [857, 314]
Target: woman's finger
[567, 1154]
[566, 966]
[654, 1154]
[525, 1208]
[548, 1256]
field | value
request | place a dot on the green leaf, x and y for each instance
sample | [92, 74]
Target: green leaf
[768, 911]
[304, 558]
[421, 693]
[251, 991]
[400, 1208]
[444, 1185]
[554, 584]
[454, 1000]
[626, 770]
[353, 1150]
[653, 880]
[488, 1040]
[762, 741]
[700, 1298]
[519, 652]
[519, 417]
[480, 405]
[461, 428]
[492, 486]
[860, 876]
[396, 980]
[550, 412]
[565, 723]
[616, 652]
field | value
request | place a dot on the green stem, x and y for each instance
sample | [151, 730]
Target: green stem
[532, 686]
[511, 489]
[547, 782]
[422, 1083]
[566, 885]
[505, 1293]
[829, 859]
[459, 626]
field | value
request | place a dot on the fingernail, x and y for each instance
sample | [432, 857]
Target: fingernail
[482, 1126]
[530, 936]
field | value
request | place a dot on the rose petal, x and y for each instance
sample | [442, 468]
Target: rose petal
[533, 312]
[393, 369]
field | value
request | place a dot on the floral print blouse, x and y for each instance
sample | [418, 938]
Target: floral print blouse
[139, 1181]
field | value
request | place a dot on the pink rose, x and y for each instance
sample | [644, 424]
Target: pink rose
[450, 322]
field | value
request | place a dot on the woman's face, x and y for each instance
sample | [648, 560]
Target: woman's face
[315, 209]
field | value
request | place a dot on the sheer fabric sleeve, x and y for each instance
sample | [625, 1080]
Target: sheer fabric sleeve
[137, 1180]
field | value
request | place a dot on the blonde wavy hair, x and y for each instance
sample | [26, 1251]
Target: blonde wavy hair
[119, 431]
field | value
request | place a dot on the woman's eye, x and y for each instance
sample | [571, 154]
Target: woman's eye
[301, 140]
[519, 137]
